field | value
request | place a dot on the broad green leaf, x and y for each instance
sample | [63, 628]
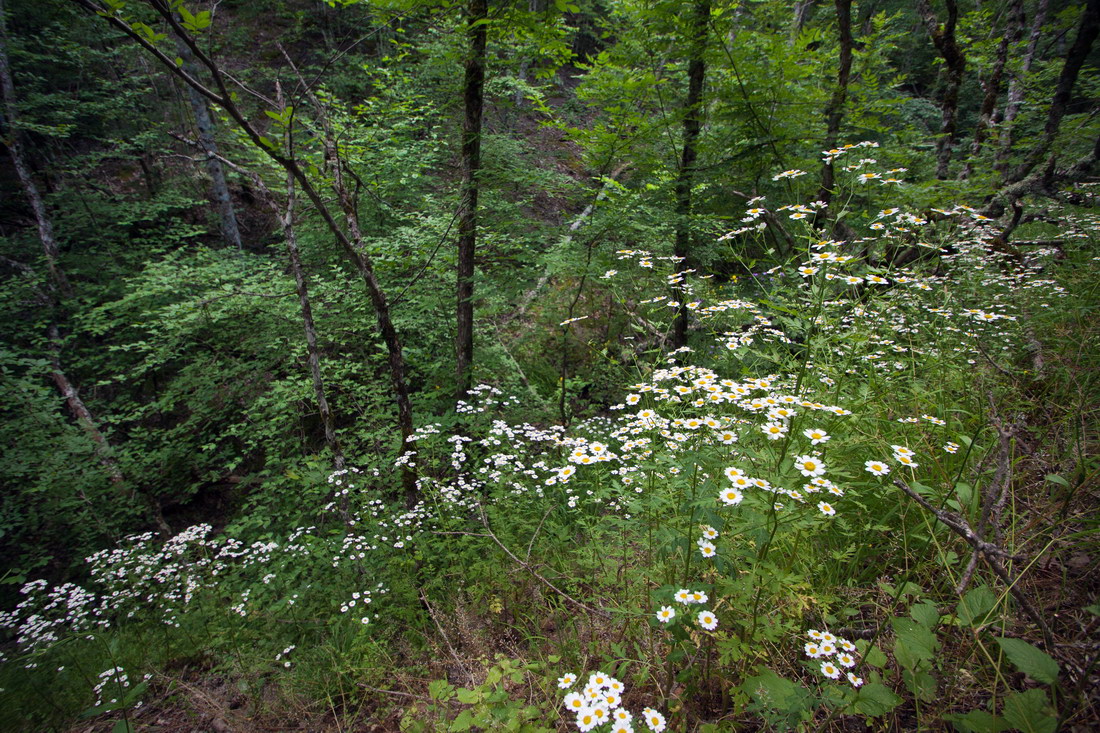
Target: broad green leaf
[926, 614]
[770, 691]
[875, 699]
[440, 690]
[1030, 712]
[468, 697]
[920, 683]
[464, 720]
[915, 643]
[976, 721]
[1029, 659]
[975, 606]
[872, 655]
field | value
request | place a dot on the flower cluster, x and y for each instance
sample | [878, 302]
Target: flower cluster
[837, 655]
[601, 701]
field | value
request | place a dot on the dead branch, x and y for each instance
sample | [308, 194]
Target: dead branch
[991, 553]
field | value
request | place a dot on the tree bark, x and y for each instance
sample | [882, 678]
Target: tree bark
[473, 95]
[943, 38]
[353, 246]
[991, 87]
[685, 177]
[314, 353]
[1016, 87]
[801, 13]
[834, 113]
[80, 410]
[219, 189]
[9, 122]
[1087, 30]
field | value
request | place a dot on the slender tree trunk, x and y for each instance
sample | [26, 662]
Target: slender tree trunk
[943, 37]
[219, 189]
[474, 98]
[80, 411]
[991, 87]
[801, 13]
[685, 177]
[1016, 87]
[354, 248]
[1087, 30]
[314, 354]
[9, 120]
[834, 113]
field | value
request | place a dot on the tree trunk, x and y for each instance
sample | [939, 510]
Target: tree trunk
[1087, 30]
[801, 13]
[834, 113]
[314, 353]
[943, 37]
[685, 177]
[474, 98]
[991, 87]
[9, 122]
[219, 189]
[353, 246]
[80, 411]
[1016, 87]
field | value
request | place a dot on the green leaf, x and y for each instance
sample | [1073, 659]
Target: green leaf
[1030, 712]
[976, 721]
[1056, 479]
[469, 697]
[196, 22]
[464, 720]
[769, 691]
[975, 606]
[915, 643]
[872, 655]
[921, 684]
[875, 699]
[1029, 659]
[441, 690]
[926, 614]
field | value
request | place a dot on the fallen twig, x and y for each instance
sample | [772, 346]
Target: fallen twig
[991, 553]
[526, 566]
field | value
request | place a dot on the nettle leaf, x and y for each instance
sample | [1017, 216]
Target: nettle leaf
[926, 614]
[469, 697]
[872, 655]
[976, 721]
[975, 606]
[921, 684]
[915, 646]
[875, 699]
[1030, 712]
[1029, 659]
